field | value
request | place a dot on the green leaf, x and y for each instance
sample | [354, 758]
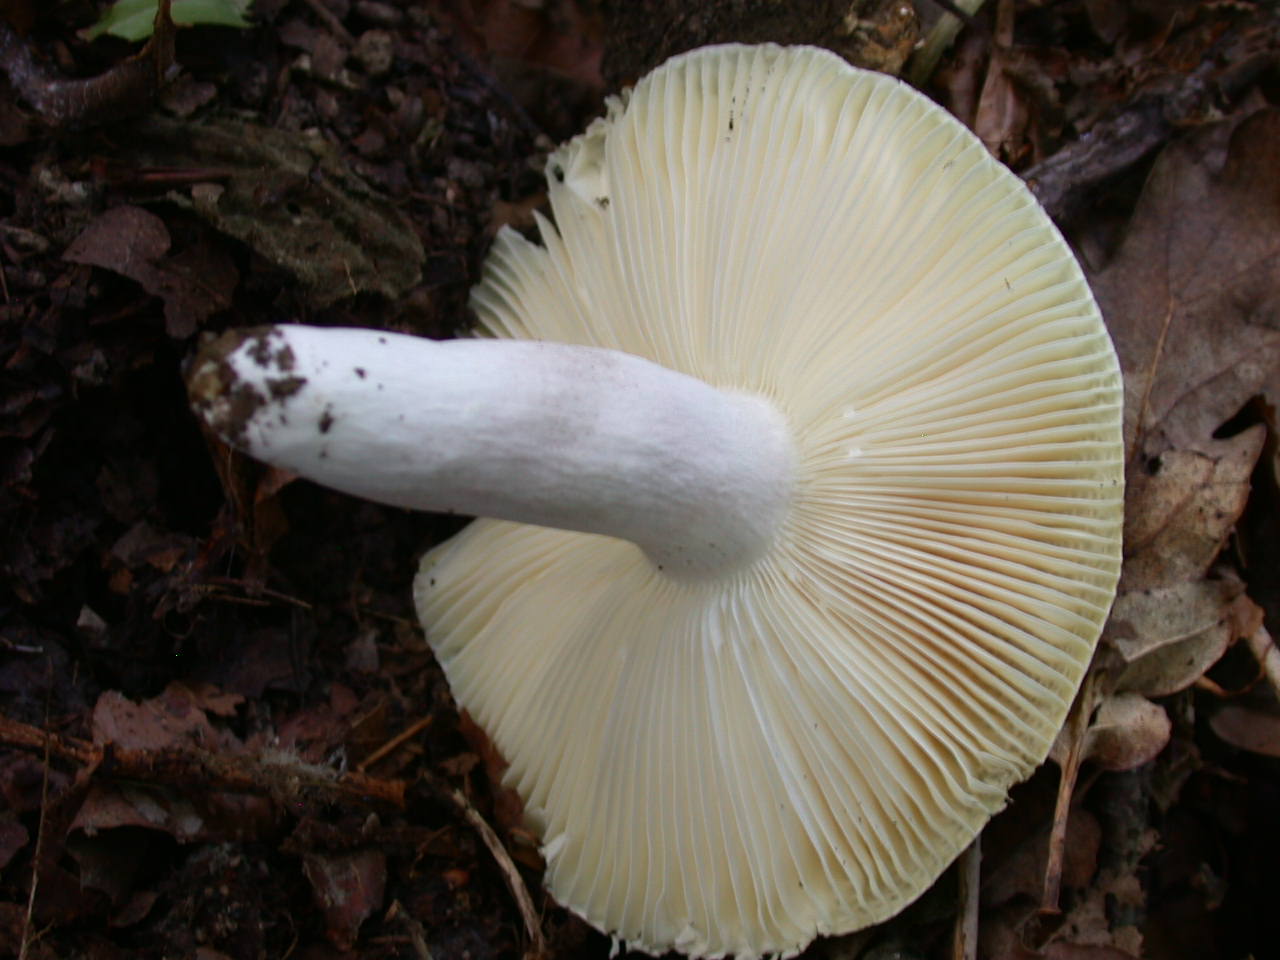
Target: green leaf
[133, 19]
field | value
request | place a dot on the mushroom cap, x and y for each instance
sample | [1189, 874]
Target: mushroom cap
[801, 748]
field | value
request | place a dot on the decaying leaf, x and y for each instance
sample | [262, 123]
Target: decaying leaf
[1170, 636]
[175, 717]
[1192, 298]
[1022, 874]
[348, 888]
[135, 243]
[1127, 731]
[1194, 292]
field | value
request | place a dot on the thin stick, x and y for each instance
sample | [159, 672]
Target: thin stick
[27, 939]
[280, 775]
[1076, 730]
[515, 883]
[406, 734]
[964, 944]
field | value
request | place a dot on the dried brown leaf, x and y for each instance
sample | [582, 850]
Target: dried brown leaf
[1143, 621]
[1000, 120]
[1194, 291]
[1180, 507]
[1128, 731]
[134, 243]
[1170, 636]
[348, 888]
[127, 805]
[175, 717]
[1192, 298]
[120, 721]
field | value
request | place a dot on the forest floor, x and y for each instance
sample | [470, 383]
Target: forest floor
[222, 733]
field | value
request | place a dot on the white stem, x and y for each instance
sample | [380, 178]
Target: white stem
[580, 438]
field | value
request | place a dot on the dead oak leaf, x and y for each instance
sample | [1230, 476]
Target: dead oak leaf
[1192, 299]
[1193, 296]
[1181, 506]
[1169, 636]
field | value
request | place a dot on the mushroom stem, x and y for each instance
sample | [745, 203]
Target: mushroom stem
[580, 438]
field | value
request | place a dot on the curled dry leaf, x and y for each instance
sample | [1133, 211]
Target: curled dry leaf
[127, 88]
[1128, 731]
[1170, 636]
[135, 243]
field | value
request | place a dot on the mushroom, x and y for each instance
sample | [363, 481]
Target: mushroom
[799, 441]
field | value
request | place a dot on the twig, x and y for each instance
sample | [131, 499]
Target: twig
[515, 883]
[964, 943]
[40, 828]
[1064, 182]
[7, 644]
[1076, 730]
[281, 776]
[417, 935]
[409, 732]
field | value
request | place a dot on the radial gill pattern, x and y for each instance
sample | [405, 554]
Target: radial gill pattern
[737, 767]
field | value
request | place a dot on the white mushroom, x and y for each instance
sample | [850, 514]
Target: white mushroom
[830, 425]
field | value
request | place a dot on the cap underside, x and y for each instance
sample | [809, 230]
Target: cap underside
[803, 748]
